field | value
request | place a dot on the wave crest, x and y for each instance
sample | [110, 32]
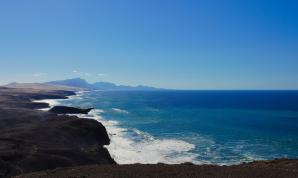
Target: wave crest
[120, 110]
[141, 147]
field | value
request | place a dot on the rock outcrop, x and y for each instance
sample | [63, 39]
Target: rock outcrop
[69, 110]
[32, 140]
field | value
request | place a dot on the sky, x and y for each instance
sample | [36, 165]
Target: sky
[181, 44]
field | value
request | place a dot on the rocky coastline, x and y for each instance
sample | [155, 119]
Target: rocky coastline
[69, 110]
[33, 140]
[36, 143]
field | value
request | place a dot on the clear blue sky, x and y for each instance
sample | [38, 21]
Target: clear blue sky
[194, 44]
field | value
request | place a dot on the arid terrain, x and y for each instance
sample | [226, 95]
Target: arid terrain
[260, 169]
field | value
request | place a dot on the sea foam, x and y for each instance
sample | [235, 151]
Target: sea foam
[141, 147]
[129, 146]
[51, 102]
[56, 102]
[120, 110]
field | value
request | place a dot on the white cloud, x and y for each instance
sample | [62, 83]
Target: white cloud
[101, 75]
[39, 74]
[77, 72]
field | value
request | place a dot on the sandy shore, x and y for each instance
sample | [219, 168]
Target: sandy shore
[67, 146]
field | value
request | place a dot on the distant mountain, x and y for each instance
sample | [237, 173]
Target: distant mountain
[81, 83]
[76, 82]
[42, 86]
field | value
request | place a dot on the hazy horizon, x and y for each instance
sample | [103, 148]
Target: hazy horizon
[166, 44]
[194, 89]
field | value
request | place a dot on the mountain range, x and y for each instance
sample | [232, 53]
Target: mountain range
[81, 83]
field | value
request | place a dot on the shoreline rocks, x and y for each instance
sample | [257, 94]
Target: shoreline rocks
[69, 110]
[33, 140]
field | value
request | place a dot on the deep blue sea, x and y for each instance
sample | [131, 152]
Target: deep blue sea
[222, 127]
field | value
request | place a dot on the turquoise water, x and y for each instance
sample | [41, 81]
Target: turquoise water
[221, 127]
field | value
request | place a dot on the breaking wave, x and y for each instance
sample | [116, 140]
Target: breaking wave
[130, 146]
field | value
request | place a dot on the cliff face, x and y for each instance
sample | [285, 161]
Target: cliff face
[32, 140]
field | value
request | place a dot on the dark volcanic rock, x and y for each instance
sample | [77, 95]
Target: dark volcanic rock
[258, 169]
[69, 110]
[32, 140]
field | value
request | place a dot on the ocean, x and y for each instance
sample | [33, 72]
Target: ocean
[201, 127]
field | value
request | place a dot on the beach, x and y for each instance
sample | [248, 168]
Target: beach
[59, 145]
